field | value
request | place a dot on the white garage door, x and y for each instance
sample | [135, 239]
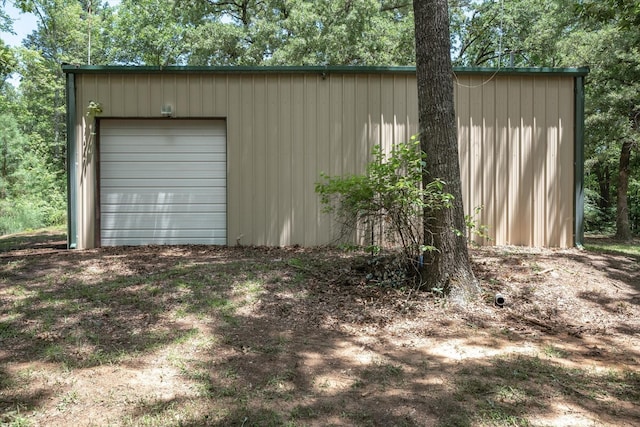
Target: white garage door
[162, 182]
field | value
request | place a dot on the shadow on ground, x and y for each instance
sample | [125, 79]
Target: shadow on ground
[261, 336]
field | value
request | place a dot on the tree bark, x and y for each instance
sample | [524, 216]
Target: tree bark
[448, 267]
[623, 226]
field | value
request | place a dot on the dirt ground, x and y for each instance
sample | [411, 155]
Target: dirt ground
[241, 336]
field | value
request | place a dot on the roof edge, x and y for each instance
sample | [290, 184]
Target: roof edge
[337, 69]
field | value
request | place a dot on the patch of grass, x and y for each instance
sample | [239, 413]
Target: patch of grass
[221, 304]
[473, 386]
[69, 399]
[303, 413]
[500, 415]
[297, 263]
[54, 353]
[276, 346]
[457, 418]
[205, 385]
[14, 418]
[553, 351]
[625, 385]
[511, 395]
[380, 373]
[32, 239]
[100, 357]
[506, 392]
[155, 412]
[8, 329]
[359, 417]
[254, 417]
[279, 379]
[609, 246]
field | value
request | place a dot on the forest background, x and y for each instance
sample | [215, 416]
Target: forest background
[603, 35]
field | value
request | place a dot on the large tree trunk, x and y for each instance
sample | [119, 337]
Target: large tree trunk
[623, 227]
[448, 267]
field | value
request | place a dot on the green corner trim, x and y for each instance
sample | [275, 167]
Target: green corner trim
[578, 216]
[72, 226]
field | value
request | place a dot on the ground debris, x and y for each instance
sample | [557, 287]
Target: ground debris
[304, 336]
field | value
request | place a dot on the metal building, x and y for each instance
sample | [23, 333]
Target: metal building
[227, 155]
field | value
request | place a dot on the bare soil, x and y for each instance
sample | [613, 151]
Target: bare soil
[240, 336]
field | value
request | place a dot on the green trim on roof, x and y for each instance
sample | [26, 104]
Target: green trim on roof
[580, 71]
[338, 69]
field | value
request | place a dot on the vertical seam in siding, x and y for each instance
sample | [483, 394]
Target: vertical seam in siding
[531, 166]
[304, 142]
[545, 181]
[278, 144]
[405, 134]
[559, 220]
[394, 139]
[509, 171]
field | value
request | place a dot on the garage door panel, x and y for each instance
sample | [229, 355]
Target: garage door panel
[128, 196]
[174, 128]
[162, 182]
[159, 240]
[162, 221]
[163, 157]
[165, 234]
[155, 170]
[185, 208]
[160, 145]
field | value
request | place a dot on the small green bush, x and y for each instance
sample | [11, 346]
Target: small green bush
[388, 201]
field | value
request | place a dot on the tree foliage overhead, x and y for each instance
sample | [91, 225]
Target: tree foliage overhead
[263, 32]
[7, 60]
[519, 33]
[154, 33]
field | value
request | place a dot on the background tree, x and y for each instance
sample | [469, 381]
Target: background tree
[33, 121]
[608, 41]
[30, 196]
[298, 32]
[346, 32]
[520, 33]
[149, 32]
[7, 60]
[61, 37]
[448, 267]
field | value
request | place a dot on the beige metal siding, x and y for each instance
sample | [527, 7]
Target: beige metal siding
[515, 136]
[516, 152]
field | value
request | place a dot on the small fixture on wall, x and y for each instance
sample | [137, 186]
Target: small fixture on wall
[167, 110]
